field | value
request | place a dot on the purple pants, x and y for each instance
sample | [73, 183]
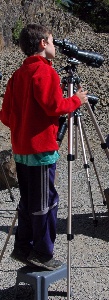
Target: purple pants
[37, 212]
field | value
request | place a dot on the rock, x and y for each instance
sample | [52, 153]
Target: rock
[8, 176]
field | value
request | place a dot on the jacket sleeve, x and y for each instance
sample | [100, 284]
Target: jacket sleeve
[6, 105]
[48, 94]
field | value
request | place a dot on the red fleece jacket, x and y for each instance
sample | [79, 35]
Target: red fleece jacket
[32, 105]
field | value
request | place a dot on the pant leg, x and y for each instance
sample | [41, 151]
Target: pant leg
[43, 205]
[24, 234]
[37, 214]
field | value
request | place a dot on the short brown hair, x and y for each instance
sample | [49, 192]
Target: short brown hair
[30, 37]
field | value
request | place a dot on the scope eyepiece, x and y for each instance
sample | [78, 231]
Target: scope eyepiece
[92, 99]
[92, 59]
[57, 42]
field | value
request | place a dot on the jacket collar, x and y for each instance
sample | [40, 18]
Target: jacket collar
[35, 58]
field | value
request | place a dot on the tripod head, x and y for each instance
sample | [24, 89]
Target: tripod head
[71, 50]
[92, 99]
[70, 68]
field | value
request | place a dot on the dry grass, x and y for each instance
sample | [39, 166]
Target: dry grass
[2, 43]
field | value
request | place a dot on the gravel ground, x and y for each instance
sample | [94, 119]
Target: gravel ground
[89, 248]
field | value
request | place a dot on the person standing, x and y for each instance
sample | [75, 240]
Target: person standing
[31, 107]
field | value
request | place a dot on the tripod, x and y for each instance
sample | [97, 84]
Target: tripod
[75, 118]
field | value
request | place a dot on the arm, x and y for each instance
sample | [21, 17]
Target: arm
[48, 94]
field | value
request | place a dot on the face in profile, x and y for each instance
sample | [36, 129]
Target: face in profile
[50, 48]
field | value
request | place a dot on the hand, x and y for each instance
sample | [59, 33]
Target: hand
[82, 95]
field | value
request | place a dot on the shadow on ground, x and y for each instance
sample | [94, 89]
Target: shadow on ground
[83, 224]
[25, 292]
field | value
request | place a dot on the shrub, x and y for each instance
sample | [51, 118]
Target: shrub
[16, 31]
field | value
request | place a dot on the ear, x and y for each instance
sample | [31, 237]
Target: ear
[43, 43]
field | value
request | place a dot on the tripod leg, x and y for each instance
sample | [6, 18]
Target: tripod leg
[9, 234]
[76, 135]
[92, 160]
[70, 158]
[87, 172]
[103, 143]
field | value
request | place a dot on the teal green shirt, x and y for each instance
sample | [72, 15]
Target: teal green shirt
[45, 158]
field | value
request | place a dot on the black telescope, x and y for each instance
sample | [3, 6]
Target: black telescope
[71, 50]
